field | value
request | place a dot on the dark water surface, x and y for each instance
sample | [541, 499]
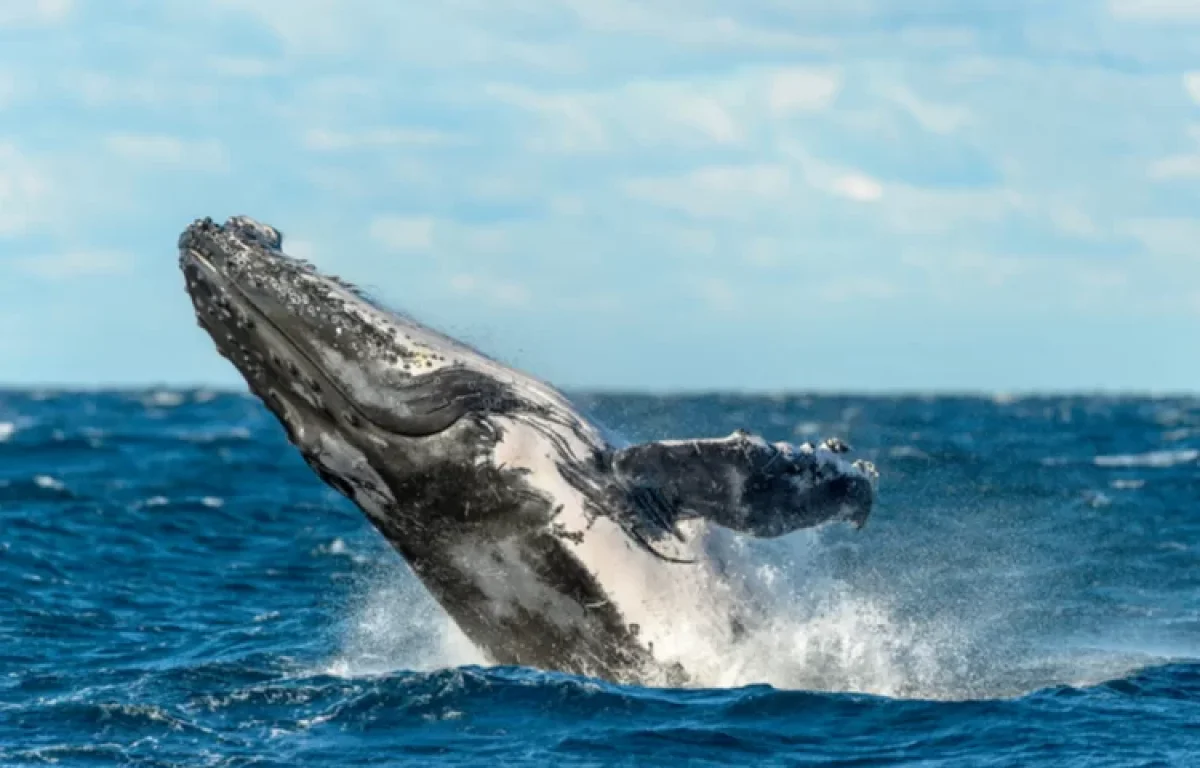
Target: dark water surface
[176, 588]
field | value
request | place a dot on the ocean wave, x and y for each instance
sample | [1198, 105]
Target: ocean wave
[1154, 459]
[191, 594]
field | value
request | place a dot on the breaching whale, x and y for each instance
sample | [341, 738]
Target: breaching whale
[547, 543]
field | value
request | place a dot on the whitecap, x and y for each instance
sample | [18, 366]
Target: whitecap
[1157, 459]
[1127, 484]
[48, 482]
[214, 435]
[7, 428]
[1054, 461]
[1175, 435]
[907, 452]
[164, 398]
[807, 428]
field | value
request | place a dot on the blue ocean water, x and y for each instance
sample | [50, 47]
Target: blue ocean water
[176, 588]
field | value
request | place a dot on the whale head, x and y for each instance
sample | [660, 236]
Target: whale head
[310, 344]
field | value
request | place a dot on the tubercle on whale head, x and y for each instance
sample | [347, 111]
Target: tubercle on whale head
[318, 342]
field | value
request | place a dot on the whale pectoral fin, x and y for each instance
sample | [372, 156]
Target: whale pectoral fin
[743, 483]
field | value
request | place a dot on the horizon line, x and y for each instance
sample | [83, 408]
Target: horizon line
[683, 392]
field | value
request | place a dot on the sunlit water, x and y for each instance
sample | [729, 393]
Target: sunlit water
[176, 588]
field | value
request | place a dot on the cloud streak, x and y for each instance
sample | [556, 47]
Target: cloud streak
[711, 178]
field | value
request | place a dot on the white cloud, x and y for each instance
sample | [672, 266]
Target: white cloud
[690, 24]
[101, 89]
[487, 239]
[914, 210]
[500, 188]
[245, 66]
[860, 187]
[684, 113]
[331, 141]
[572, 124]
[691, 242]
[717, 293]
[1074, 222]
[606, 304]
[908, 208]
[73, 264]
[1191, 84]
[1166, 237]
[931, 37]
[170, 151]
[503, 292]
[709, 117]
[730, 191]
[19, 13]
[510, 293]
[937, 118]
[795, 90]
[763, 252]
[314, 26]
[25, 191]
[761, 181]
[1047, 281]
[958, 272]
[1156, 10]
[567, 205]
[435, 35]
[403, 233]
[8, 89]
[1176, 167]
[856, 288]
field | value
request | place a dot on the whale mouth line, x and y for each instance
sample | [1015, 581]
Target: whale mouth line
[230, 286]
[357, 419]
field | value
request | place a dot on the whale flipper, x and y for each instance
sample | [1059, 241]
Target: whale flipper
[746, 484]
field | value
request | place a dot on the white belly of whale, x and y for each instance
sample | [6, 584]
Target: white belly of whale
[681, 610]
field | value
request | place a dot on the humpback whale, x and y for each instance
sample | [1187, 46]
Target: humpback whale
[550, 544]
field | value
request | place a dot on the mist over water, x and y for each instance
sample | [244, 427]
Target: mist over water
[179, 588]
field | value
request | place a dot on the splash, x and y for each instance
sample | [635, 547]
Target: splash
[393, 623]
[824, 637]
[801, 628]
[843, 642]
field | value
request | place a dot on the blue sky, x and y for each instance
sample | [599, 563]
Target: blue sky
[668, 194]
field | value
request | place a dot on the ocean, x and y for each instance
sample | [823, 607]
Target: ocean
[177, 588]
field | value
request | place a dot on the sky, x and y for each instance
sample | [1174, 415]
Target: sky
[620, 194]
